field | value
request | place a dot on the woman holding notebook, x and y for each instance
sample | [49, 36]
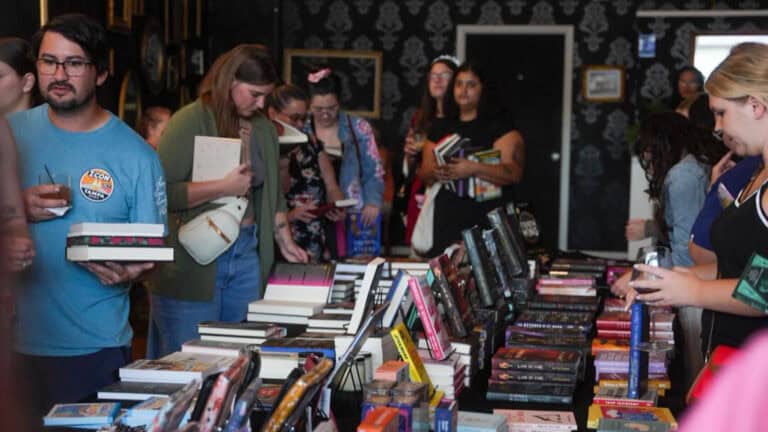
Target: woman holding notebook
[469, 117]
[230, 105]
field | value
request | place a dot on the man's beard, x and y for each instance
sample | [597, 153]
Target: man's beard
[71, 105]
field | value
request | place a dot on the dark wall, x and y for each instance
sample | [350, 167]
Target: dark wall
[411, 34]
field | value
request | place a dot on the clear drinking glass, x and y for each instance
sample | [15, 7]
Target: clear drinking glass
[656, 256]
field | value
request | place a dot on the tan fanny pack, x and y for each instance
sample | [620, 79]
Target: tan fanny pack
[211, 233]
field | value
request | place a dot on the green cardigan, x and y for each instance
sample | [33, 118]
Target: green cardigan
[185, 279]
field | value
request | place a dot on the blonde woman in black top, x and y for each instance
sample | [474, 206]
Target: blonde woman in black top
[739, 99]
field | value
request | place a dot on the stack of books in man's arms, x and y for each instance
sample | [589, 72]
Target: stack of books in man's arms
[90, 241]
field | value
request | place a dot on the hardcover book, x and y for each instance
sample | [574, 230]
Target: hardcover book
[482, 265]
[362, 240]
[176, 368]
[81, 414]
[491, 238]
[481, 422]
[560, 320]
[288, 137]
[407, 350]
[617, 425]
[597, 412]
[534, 420]
[443, 289]
[618, 396]
[531, 393]
[247, 329]
[215, 157]
[434, 327]
[364, 298]
[638, 359]
[127, 390]
[507, 375]
[550, 360]
[752, 287]
[563, 303]
[510, 252]
[397, 298]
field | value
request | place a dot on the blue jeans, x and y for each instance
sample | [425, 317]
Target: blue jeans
[173, 322]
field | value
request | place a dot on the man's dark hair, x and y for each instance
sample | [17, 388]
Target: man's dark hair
[82, 30]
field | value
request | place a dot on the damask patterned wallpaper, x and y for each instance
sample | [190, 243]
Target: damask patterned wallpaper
[412, 32]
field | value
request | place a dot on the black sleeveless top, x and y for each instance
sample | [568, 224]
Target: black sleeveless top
[453, 213]
[739, 231]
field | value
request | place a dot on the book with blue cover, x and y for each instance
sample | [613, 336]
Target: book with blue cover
[363, 241]
[81, 414]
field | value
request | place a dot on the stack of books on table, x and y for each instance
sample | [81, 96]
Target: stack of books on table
[327, 322]
[613, 362]
[249, 333]
[82, 415]
[616, 325]
[536, 375]
[465, 350]
[175, 368]
[578, 267]
[446, 375]
[89, 241]
[342, 291]
[294, 293]
[137, 391]
[538, 421]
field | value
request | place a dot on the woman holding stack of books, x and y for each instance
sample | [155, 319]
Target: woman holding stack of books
[738, 96]
[469, 116]
[184, 293]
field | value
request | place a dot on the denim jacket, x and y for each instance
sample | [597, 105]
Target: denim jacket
[685, 189]
[372, 190]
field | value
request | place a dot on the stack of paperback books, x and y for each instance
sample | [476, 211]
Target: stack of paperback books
[446, 375]
[534, 375]
[175, 368]
[294, 293]
[615, 325]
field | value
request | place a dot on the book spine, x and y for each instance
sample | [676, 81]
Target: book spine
[407, 350]
[501, 276]
[473, 243]
[623, 403]
[502, 376]
[506, 248]
[445, 417]
[529, 398]
[442, 287]
[430, 318]
[638, 360]
[613, 325]
[541, 366]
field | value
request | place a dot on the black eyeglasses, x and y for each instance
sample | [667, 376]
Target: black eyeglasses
[72, 67]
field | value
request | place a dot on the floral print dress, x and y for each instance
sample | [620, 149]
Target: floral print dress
[307, 187]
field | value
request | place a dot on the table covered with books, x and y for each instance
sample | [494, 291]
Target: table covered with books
[484, 339]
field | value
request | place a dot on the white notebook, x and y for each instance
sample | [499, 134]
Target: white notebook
[215, 157]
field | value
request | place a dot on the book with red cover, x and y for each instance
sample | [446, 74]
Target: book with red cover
[338, 204]
[617, 396]
[620, 320]
[721, 356]
[656, 335]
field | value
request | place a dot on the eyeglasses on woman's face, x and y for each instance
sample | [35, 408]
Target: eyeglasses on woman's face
[327, 110]
[440, 76]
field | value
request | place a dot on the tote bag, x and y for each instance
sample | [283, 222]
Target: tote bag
[423, 231]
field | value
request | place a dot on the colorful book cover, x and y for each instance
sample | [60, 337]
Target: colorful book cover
[485, 190]
[597, 412]
[618, 396]
[638, 359]
[502, 376]
[536, 359]
[617, 425]
[363, 240]
[81, 414]
[752, 287]
[561, 320]
[531, 393]
[407, 350]
[434, 327]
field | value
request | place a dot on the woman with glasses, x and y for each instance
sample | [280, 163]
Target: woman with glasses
[424, 125]
[184, 293]
[18, 91]
[350, 142]
[307, 176]
[739, 100]
[471, 116]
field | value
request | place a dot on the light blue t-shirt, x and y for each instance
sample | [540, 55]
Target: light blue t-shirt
[62, 308]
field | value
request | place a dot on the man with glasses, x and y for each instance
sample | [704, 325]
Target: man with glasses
[72, 332]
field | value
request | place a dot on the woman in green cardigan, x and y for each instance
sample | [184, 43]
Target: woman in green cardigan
[184, 293]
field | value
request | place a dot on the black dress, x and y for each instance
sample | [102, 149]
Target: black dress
[453, 213]
[736, 234]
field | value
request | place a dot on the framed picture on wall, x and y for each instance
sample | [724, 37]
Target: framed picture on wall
[359, 74]
[603, 83]
[119, 13]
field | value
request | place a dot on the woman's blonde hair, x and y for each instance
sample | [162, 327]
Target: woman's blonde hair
[743, 73]
[248, 63]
